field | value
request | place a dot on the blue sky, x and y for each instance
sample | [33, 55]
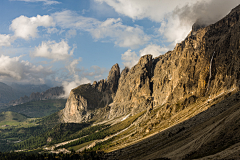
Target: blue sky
[70, 42]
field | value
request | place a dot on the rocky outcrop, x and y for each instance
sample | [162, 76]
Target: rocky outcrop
[83, 101]
[134, 89]
[52, 93]
[113, 77]
[205, 64]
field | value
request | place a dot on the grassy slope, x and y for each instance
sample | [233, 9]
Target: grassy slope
[38, 109]
[11, 118]
[108, 131]
[207, 133]
[23, 128]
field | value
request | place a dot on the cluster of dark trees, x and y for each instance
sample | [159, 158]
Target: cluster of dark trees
[93, 155]
[60, 133]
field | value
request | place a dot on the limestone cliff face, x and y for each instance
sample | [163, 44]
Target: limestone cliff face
[75, 109]
[206, 63]
[134, 89]
[84, 101]
[113, 77]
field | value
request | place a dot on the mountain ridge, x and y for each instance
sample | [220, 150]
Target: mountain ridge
[52, 93]
[182, 84]
[204, 64]
[14, 91]
[180, 105]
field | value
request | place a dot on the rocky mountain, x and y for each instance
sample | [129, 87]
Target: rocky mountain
[52, 93]
[205, 64]
[83, 101]
[181, 105]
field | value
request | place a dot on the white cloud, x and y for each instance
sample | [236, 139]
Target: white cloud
[52, 30]
[154, 50]
[68, 86]
[46, 2]
[25, 27]
[130, 58]
[138, 9]
[158, 11]
[5, 40]
[14, 69]
[176, 17]
[69, 19]
[96, 72]
[124, 36]
[111, 29]
[71, 33]
[53, 50]
[72, 67]
[180, 22]
[174, 31]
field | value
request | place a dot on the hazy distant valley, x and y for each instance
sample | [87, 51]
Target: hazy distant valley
[184, 104]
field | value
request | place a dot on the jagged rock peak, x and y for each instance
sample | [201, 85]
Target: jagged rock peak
[124, 72]
[123, 75]
[114, 72]
[113, 77]
[146, 62]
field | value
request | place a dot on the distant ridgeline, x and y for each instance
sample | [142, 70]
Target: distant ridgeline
[15, 91]
[52, 93]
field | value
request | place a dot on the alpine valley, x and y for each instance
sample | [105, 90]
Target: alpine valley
[184, 104]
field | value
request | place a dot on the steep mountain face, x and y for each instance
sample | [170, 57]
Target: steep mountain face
[52, 93]
[205, 64]
[85, 99]
[181, 105]
[134, 91]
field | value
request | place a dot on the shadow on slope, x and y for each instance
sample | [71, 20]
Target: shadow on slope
[205, 134]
